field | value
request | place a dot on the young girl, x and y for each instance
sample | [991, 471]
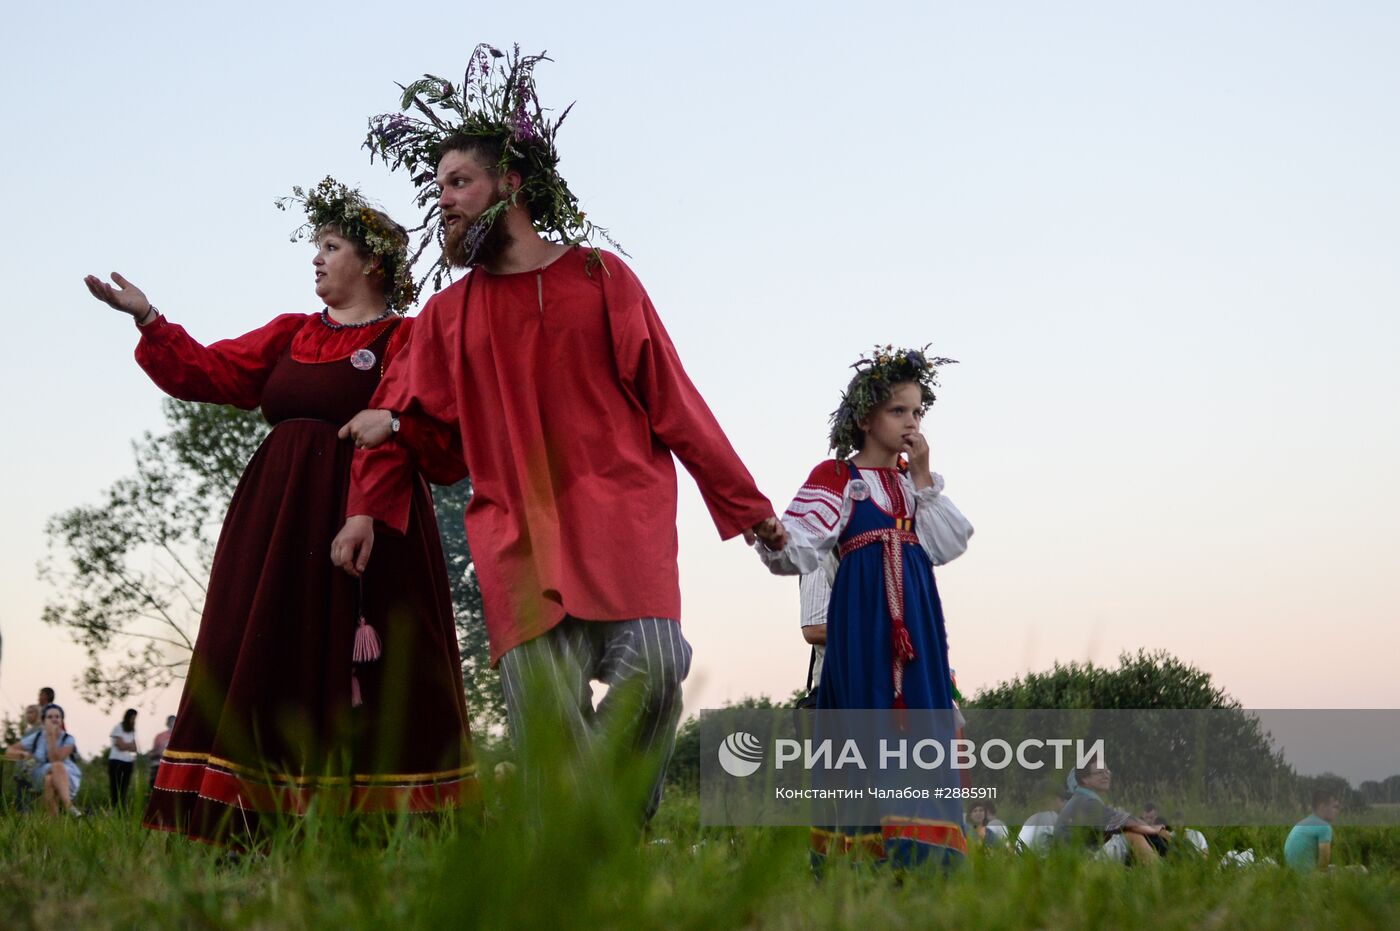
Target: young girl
[54, 753]
[884, 512]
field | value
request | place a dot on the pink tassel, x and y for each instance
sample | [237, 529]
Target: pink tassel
[355, 699]
[366, 643]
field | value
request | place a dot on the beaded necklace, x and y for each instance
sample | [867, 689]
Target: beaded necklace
[326, 319]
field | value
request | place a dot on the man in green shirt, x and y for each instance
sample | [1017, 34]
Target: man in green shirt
[1309, 845]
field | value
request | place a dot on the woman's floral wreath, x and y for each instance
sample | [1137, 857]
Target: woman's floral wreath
[497, 103]
[875, 378]
[331, 203]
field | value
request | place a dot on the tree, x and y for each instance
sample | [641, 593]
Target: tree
[130, 572]
[1140, 681]
[1189, 736]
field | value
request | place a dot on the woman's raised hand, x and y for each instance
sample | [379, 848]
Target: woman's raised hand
[125, 297]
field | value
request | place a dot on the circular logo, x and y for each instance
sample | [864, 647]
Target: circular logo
[362, 359]
[741, 754]
[858, 489]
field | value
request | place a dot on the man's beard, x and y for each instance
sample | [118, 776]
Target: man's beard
[467, 244]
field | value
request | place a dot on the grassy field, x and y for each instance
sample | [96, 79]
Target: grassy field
[584, 864]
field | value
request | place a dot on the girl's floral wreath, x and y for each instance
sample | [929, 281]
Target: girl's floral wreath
[874, 381]
[331, 203]
[495, 102]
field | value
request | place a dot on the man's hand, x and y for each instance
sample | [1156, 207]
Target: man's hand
[917, 448]
[350, 548]
[368, 428]
[771, 532]
[127, 298]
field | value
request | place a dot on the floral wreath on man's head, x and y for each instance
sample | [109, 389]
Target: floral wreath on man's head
[332, 204]
[497, 103]
[874, 382]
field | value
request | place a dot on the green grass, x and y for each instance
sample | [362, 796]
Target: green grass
[582, 863]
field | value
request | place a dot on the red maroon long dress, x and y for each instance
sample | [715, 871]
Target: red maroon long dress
[267, 722]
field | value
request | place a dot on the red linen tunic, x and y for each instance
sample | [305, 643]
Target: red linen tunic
[569, 400]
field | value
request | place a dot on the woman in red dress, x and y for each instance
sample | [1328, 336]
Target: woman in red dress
[304, 680]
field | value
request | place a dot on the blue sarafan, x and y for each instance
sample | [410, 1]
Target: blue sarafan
[886, 647]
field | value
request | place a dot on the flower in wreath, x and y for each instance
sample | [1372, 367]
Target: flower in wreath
[332, 205]
[496, 102]
[877, 374]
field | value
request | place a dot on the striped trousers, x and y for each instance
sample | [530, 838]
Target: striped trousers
[642, 661]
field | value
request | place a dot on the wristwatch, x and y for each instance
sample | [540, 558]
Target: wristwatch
[393, 422]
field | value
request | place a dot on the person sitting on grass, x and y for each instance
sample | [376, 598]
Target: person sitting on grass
[1309, 845]
[1195, 840]
[54, 752]
[32, 723]
[1039, 830]
[1088, 821]
[987, 827]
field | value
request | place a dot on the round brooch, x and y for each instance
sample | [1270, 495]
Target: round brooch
[858, 489]
[362, 359]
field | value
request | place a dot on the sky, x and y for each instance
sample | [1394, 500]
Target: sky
[1160, 239]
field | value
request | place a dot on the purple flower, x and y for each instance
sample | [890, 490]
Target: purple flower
[390, 131]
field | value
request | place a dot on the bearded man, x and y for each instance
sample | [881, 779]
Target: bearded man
[545, 374]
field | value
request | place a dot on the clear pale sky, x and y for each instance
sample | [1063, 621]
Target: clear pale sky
[1161, 239]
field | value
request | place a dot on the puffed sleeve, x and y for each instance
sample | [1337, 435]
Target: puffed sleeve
[942, 529]
[814, 520]
[231, 371]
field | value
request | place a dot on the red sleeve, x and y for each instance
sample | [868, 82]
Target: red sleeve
[817, 504]
[652, 371]
[231, 371]
[418, 385]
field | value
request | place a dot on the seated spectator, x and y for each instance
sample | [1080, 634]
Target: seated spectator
[1039, 830]
[1309, 845]
[158, 748]
[31, 720]
[1150, 814]
[54, 753]
[986, 826]
[1196, 840]
[1088, 821]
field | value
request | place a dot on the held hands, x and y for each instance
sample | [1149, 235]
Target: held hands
[350, 548]
[917, 447]
[771, 532]
[368, 428]
[126, 297]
